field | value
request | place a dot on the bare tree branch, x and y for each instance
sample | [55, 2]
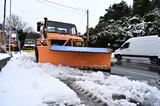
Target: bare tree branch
[17, 23]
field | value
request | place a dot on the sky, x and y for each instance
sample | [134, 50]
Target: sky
[32, 11]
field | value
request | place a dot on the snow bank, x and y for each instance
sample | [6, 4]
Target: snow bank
[26, 83]
[106, 86]
[3, 56]
[134, 91]
[23, 83]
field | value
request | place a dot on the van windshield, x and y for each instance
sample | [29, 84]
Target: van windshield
[126, 45]
[62, 28]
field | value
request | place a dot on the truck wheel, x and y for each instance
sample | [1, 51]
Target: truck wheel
[109, 71]
[36, 53]
[154, 60]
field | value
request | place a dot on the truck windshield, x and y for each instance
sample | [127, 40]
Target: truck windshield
[62, 28]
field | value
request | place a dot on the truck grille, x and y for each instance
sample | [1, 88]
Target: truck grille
[58, 42]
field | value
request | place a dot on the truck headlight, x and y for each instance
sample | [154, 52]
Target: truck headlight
[78, 43]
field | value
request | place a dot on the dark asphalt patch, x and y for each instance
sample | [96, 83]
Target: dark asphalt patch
[3, 62]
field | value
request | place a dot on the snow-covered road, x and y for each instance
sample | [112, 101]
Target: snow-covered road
[23, 82]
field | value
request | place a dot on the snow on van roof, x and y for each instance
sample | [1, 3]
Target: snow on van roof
[144, 37]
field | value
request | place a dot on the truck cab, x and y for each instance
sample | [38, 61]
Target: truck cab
[58, 33]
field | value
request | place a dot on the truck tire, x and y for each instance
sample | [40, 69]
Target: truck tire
[154, 60]
[36, 53]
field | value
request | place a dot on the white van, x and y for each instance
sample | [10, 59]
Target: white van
[141, 47]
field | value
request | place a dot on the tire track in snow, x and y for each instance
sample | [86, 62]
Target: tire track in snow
[87, 97]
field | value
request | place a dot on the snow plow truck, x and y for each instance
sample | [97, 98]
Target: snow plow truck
[59, 44]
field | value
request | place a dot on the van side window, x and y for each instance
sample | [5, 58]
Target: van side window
[125, 46]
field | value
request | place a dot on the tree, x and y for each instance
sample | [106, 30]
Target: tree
[116, 11]
[17, 24]
[155, 4]
[141, 7]
[21, 27]
[116, 26]
[108, 29]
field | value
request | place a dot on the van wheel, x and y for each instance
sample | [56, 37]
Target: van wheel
[154, 60]
[118, 57]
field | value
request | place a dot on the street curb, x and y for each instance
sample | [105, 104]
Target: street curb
[3, 62]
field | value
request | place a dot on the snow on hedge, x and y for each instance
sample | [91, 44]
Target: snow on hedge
[26, 83]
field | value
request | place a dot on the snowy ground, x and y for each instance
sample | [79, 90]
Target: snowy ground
[26, 83]
[4, 55]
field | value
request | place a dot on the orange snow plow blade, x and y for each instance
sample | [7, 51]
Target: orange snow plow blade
[82, 59]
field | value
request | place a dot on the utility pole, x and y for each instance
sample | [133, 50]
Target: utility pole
[10, 28]
[3, 26]
[87, 30]
[4, 17]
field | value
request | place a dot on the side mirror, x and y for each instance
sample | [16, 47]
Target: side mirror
[38, 26]
[45, 19]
